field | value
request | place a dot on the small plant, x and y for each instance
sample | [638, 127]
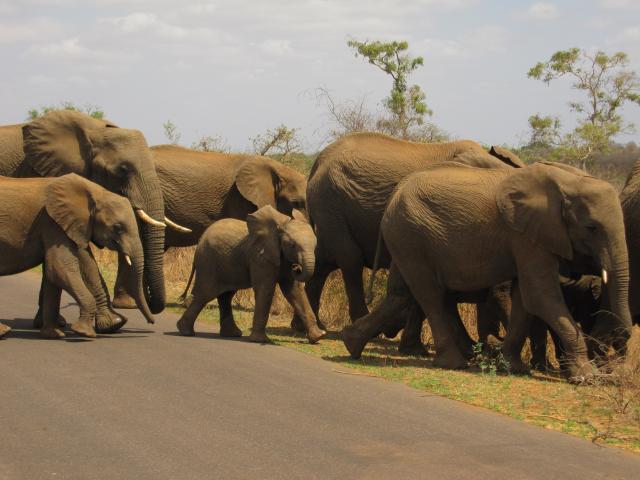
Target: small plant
[490, 359]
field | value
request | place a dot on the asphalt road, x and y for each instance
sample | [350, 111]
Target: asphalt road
[147, 404]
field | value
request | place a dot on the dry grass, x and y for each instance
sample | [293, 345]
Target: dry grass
[606, 412]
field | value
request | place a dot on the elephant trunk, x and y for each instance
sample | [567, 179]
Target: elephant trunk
[136, 285]
[148, 197]
[307, 266]
[613, 324]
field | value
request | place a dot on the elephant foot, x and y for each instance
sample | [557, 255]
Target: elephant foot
[109, 322]
[124, 301]
[518, 367]
[415, 350]
[354, 341]
[229, 330]
[315, 335]
[581, 372]
[298, 326]
[259, 337]
[4, 329]
[185, 328]
[450, 359]
[52, 333]
[61, 322]
[83, 328]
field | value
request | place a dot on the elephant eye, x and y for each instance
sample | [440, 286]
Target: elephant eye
[123, 170]
[592, 228]
[118, 228]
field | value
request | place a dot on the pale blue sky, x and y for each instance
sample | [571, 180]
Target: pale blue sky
[236, 68]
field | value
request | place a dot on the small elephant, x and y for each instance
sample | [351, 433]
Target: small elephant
[454, 229]
[52, 221]
[268, 249]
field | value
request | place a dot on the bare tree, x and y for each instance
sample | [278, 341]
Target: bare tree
[211, 143]
[347, 117]
[282, 142]
[171, 132]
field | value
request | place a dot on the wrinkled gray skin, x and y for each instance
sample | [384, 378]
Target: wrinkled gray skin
[118, 159]
[348, 189]
[482, 227]
[582, 296]
[630, 199]
[52, 221]
[268, 249]
[200, 188]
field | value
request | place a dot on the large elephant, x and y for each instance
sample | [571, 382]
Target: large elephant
[453, 229]
[52, 221]
[349, 186]
[200, 188]
[118, 159]
[630, 199]
[268, 249]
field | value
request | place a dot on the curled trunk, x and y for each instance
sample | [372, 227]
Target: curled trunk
[136, 284]
[308, 262]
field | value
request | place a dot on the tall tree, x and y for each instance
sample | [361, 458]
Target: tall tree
[608, 85]
[406, 103]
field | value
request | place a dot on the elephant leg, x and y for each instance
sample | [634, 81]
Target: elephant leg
[313, 289]
[188, 318]
[37, 321]
[296, 296]
[519, 327]
[228, 327]
[121, 297]
[411, 339]
[264, 296]
[542, 296]
[492, 313]
[107, 320]
[63, 268]
[50, 307]
[538, 341]
[462, 338]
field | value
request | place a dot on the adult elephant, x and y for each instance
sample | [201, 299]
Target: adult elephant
[630, 199]
[118, 159]
[201, 187]
[349, 185]
[453, 230]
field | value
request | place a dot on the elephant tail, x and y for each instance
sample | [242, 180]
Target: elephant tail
[376, 263]
[183, 297]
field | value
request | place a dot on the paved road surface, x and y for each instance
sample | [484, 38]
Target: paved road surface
[147, 404]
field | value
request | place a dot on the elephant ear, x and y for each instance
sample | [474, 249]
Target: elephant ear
[532, 203]
[69, 202]
[59, 142]
[257, 182]
[506, 156]
[264, 234]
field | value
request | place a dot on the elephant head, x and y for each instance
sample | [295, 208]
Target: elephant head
[119, 159]
[263, 181]
[575, 217]
[276, 237]
[86, 212]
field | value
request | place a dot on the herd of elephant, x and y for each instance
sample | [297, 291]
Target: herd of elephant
[534, 246]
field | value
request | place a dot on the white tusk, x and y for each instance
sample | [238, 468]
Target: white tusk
[146, 218]
[604, 276]
[177, 227]
[127, 258]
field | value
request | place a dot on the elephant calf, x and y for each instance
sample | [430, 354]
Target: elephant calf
[52, 221]
[268, 249]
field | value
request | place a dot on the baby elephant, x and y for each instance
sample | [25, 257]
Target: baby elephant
[52, 221]
[268, 249]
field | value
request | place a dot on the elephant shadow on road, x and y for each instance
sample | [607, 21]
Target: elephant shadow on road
[22, 329]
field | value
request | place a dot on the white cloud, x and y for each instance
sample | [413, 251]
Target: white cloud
[69, 47]
[276, 47]
[480, 42]
[541, 11]
[631, 34]
[620, 4]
